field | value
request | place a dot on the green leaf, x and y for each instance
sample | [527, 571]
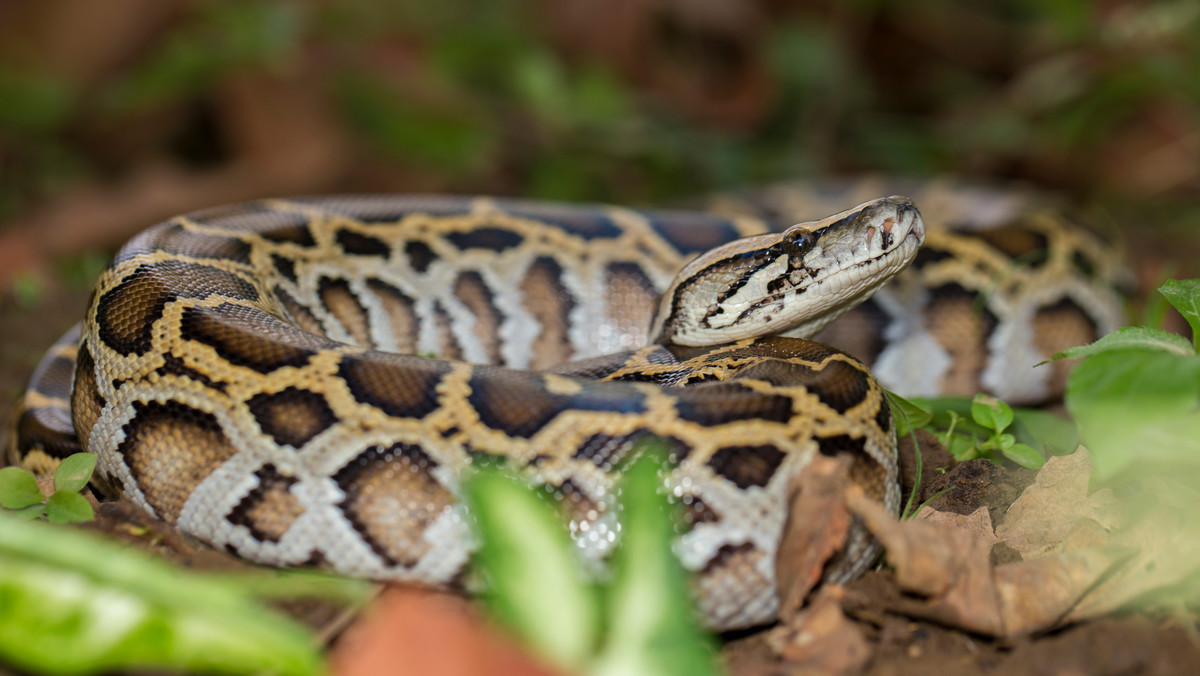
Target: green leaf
[652, 627]
[18, 488]
[952, 412]
[68, 507]
[1184, 295]
[535, 583]
[74, 472]
[1025, 456]
[908, 414]
[1131, 338]
[991, 413]
[75, 603]
[1138, 412]
[961, 446]
[29, 513]
[1045, 431]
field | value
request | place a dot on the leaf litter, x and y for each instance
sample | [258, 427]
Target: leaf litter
[1080, 555]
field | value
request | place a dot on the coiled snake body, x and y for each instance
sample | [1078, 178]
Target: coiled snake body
[251, 373]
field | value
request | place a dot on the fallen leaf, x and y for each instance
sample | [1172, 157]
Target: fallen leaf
[977, 523]
[1041, 519]
[815, 531]
[1152, 527]
[950, 568]
[821, 640]
[418, 631]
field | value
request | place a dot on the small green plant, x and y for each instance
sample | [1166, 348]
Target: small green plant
[985, 427]
[640, 622]
[994, 417]
[1136, 395]
[20, 495]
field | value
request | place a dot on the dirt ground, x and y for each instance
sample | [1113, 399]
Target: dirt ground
[1132, 644]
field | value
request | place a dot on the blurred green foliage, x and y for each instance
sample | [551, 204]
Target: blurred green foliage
[221, 38]
[1003, 88]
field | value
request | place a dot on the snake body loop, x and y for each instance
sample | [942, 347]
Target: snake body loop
[260, 375]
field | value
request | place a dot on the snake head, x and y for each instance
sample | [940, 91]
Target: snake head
[792, 282]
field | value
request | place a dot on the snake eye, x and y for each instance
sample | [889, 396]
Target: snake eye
[796, 241]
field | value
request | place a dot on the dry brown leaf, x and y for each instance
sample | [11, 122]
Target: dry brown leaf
[1153, 528]
[820, 640]
[950, 567]
[815, 530]
[978, 523]
[417, 631]
[1042, 519]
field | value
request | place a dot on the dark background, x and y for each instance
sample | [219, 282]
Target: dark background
[117, 114]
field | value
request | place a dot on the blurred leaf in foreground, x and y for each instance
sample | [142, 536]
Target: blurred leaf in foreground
[641, 623]
[1136, 397]
[74, 603]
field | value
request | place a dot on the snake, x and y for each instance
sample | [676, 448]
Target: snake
[307, 382]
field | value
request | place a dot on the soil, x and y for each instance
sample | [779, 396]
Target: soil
[1131, 644]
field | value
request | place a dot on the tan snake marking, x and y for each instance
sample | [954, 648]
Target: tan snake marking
[238, 374]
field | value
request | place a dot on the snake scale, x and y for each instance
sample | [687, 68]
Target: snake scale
[260, 375]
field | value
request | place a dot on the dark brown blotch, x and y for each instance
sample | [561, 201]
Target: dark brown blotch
[1017, 241]
[840, 385]
[839, 444]
[517, 403]
[490, 238]
[473, 292]
[928, 255]
[293, 416]
[391, 498]
[169, 448]
[285, 266]
[252, 338]
[609, 451]
[341, 301]
[747, 466]
[693, 233]
[200, 245]
[358, 244]
[420, 256]
[298, 313]
[547, 300]
[714, 404]
[585, 222]
[126, 313]
[399, 385]
[269, 509]
[401, 314]
[296, 231]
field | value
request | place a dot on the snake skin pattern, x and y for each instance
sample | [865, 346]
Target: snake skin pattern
[250, 373]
